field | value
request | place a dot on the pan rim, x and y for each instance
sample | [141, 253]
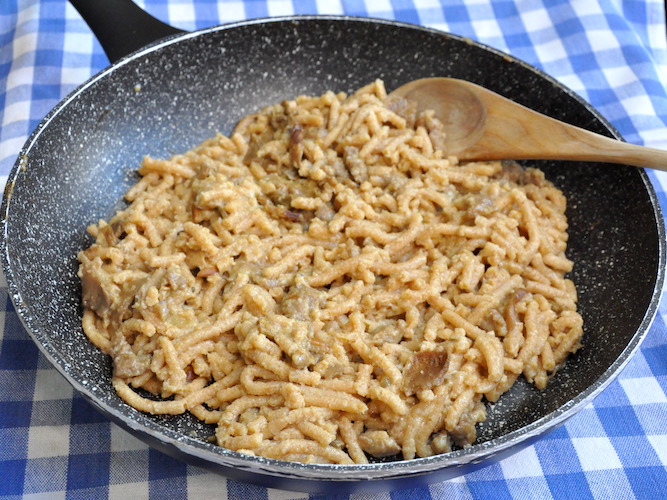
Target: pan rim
[280, 468]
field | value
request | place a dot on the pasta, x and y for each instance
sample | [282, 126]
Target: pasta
[327, 285]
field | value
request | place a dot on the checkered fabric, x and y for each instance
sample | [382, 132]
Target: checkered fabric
[612, 52]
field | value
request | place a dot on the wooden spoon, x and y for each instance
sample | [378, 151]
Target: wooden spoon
[482, 125]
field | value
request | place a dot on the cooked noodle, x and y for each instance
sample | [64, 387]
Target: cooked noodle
[327, 285]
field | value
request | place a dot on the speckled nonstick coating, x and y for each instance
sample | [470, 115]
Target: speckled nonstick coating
[170, 96]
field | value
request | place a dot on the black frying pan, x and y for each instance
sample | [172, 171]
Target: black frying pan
[171, 95]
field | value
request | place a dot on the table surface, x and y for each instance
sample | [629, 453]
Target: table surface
[611, 52]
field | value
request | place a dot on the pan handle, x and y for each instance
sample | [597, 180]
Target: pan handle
[121, 26]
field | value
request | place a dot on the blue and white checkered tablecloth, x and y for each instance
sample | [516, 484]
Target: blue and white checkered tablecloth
[612, 52]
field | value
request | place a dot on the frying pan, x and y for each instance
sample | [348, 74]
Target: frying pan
[173, 93]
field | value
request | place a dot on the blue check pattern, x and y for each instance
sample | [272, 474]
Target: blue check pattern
[611, 52]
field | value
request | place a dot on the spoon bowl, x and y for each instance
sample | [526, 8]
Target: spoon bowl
[482, 125]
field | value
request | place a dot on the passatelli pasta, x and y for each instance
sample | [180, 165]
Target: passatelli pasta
[328, 285]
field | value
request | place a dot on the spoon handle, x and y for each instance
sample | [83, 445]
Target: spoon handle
[587, 146]
[536, 136]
